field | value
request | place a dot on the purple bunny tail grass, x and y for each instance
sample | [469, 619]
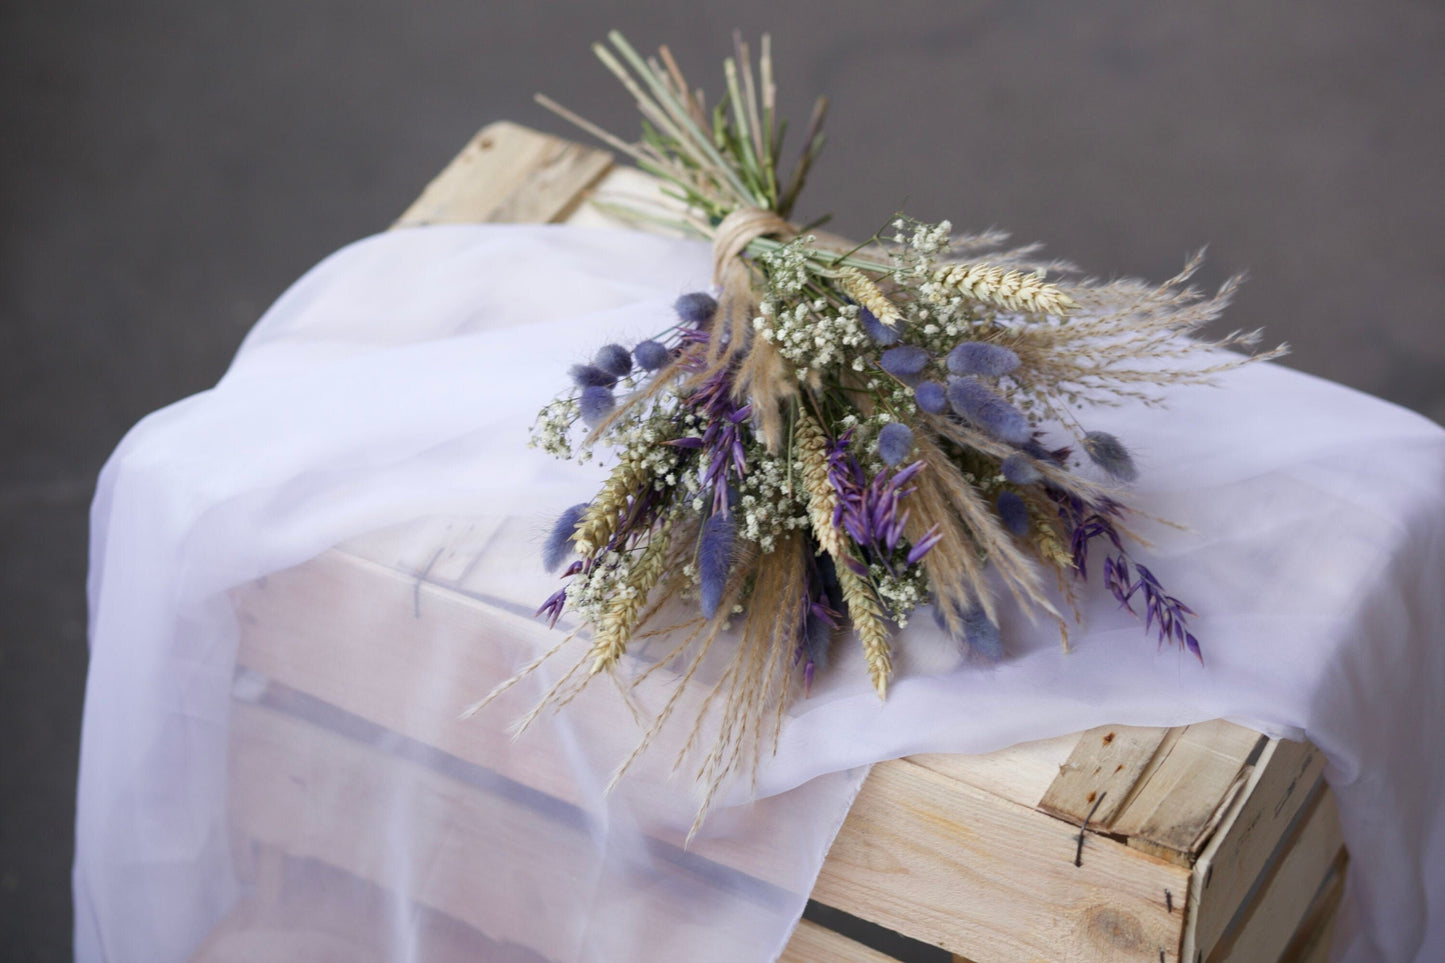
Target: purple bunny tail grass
[1013, 513]
[970, 399]
[650, 355]
[979, 633]
[1109, 453]
[982, 358]
[931, 397]
[876, 330]
[559, 542]
[696, 308]
[905, 362]
[614, 359]
[595, 404]
[590, 376]
[1020, 469]
[895, 441]
[714, 561]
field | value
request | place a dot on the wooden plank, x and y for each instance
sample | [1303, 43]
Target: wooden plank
[1252, 837]
[1101, 773]
[1021, 773]
[510, 174]
[290, 778]
[1269, 923]
[812, 943]
[1186, 788]
[951, 865]
[1312, 941]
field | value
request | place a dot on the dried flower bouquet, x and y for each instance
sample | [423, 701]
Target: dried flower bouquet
[839, 434]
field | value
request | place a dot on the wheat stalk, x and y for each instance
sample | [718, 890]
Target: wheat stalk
[811, 445]
[1010, 290]
[861, 288]
[600, 521]
[868, 622]
[624, 609]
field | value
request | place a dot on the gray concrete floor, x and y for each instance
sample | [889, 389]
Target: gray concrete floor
[167, 167]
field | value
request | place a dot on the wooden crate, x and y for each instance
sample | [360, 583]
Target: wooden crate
[1201, 843]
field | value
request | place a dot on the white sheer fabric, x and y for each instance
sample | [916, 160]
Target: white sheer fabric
[397, 381]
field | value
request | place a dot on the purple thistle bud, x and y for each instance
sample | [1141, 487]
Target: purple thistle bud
[931, 397]
[1109, 453]
[982, 358]
[988, 411]
[650, 355]
[1020, 469]
[1013, 512]
[695, 308]
[895, 441]
[714, 560]
[595, 404]
[880, 333]
[905, 362]
[614, 359]
[559, 542]
[591, 376]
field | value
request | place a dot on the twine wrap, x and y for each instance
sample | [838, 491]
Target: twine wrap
[731, 274]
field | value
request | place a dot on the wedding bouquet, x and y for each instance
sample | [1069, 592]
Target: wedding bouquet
[839, 434]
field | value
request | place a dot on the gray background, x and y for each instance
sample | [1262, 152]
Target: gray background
[167, 167]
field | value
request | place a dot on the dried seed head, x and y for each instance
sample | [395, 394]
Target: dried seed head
[559, 542]
[970, 399]
[1013, 513]
[595, 404]
[614, 359]
[696, 308]
[931, 397]
[982, 358]
[1109, 453]
[1020, 469]
[650, 355]
[895, 441]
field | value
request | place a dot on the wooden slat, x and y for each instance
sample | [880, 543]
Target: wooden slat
[510, 174]
[1101, 773]
[291, 778]
[1252, 837]
[812, 943]
[1182, 793]
[1272, 919]
[948, 864]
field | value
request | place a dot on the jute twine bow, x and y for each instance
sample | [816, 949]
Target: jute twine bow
[760, 374]
[732, 276]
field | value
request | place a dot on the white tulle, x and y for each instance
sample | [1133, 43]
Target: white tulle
[397, 381]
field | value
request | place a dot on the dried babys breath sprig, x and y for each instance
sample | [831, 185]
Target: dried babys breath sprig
[838, 434]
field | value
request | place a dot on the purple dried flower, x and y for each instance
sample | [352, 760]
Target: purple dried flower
[1109, 453]
[1020, 469]
[559, 542]
[714, 560]
[880, 333]
[930, 538]
[988, 411]
[868, 511]
[982, 358]
[595, 404]
[722, 440]
[697, 307]
[650, 355]
[895, 441]
[590, 376]
[1013, 513]
[931, 397]
[905, 362]
[614, 359]
[553, 607]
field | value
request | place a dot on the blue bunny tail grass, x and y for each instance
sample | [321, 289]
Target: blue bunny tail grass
[696, 308]
[595, 405]
[972, 400]
[559, 541]
[650, 355]
[1020, 469]
[614, 359]
[1109, 453]
[931, 397]
[1013, 513]
[879, 332]
[895, 441]
[905, 362]
[982, 358]
[714, 561]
